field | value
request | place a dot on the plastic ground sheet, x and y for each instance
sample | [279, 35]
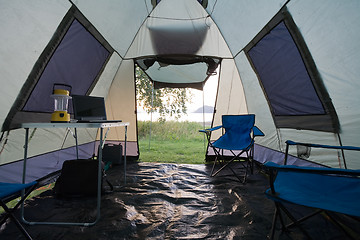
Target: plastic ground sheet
[165, 201]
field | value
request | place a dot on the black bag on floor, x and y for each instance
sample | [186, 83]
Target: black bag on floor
[79, 178]
[112, 153]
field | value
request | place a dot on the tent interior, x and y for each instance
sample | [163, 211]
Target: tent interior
[292, 63]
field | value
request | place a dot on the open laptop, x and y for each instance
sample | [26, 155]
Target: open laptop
[90, 109]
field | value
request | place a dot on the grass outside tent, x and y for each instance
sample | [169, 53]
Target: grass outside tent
[171, 142]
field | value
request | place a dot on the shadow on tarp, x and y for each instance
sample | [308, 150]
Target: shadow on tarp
[166, 201]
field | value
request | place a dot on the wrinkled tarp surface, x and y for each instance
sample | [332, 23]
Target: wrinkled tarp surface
[166, 201]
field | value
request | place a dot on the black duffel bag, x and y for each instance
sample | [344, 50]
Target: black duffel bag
[79, 178]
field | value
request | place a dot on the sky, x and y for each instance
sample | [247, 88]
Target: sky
[209, 94]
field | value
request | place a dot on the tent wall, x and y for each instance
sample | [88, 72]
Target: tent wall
[42, 165]
[48, 148]
[287, 73]
[26, 29]
[329, 30]
[338, 73]
[121, 104]
[339, 78]
[35, 23]
[230, 96]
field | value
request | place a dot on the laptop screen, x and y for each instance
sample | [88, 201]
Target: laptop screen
[88, 107]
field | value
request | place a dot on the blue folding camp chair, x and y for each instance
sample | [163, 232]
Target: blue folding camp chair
[237, 140]
[320, 188]
[9, 191]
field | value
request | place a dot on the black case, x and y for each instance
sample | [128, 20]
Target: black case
[78, 178]
[112, 153]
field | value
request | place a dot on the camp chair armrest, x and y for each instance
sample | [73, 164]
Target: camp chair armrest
[289, 142]
[210, 129]
[318, 170]
[257, 132]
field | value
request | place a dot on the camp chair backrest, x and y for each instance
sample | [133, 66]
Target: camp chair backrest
[330, 189]
[238, 128]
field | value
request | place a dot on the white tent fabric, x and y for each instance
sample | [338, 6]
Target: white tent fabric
[325, 33]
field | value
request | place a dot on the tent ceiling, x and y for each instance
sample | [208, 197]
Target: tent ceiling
[119, 35]
[177, 28]
[190, 71]
[177, 37]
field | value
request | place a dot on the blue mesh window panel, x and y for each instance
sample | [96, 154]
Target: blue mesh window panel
[284, 76]
[77, 62]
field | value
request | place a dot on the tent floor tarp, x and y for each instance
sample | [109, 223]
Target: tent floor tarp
[166, 201]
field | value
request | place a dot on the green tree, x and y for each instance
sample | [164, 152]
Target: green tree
[165, 101]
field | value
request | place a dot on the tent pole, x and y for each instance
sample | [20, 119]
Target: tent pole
[203, 110]
[342, 151]
[151, 112]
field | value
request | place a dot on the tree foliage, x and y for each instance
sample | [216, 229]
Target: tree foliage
[165, 101]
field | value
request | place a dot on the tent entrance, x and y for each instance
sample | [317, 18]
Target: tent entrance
[173, 130]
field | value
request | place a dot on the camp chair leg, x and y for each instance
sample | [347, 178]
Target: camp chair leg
[219, 158]
[336, 222]
[222, 167]
[294, 221]
[212, 174]
[272, 232]
[5, 215]
[240, 180]
[304, 218]
[234, 173]
[277, 215]
[251, 161]
[278, 211]
[9, 214]
[213, 167]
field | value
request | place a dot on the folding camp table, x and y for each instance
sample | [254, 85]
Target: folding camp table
[100, 126]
